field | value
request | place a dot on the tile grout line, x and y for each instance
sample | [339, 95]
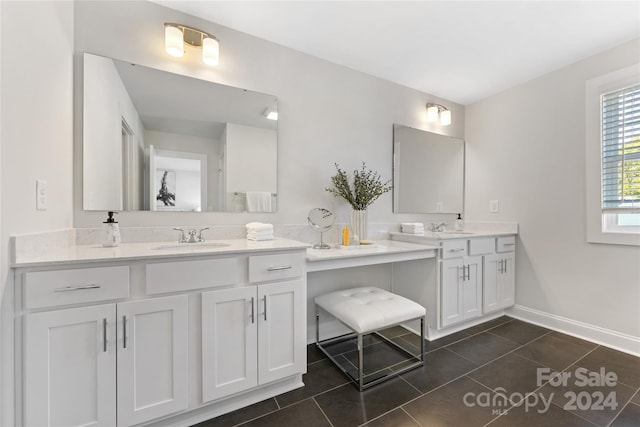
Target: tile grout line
[321, 410]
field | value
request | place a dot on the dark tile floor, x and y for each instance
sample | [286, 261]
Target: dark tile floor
[504, 372]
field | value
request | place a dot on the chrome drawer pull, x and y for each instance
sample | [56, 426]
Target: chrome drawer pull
[253, 314]
[77, 288]
[124, 331]
[508, 244]
[265, 308]
[104, 335]
[456, 250]
[282, 267]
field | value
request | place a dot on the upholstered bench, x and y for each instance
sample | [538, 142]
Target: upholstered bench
[366, 311]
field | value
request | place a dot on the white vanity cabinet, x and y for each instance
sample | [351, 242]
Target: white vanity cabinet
[475, 278]
[152, 358]
[460, 284]
[70, 367]
[499, 276]
[161, 340]
[256, 334]
[75, 357]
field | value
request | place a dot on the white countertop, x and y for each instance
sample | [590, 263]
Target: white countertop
[448, 235]
[152, 250]
[379, 252]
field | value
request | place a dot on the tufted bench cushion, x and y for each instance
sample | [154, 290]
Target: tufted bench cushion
[368, 309]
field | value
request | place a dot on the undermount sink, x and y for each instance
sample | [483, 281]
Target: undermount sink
[191, 246]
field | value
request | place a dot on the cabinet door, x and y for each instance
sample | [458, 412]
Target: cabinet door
[472, 288]
[451, 291]
[490, 291]
[229, 342]
[281, 330]
[70, 367]
[506, 281]
[152, 358]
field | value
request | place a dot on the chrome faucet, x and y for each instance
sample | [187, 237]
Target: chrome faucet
[433, 227]
[192, 235]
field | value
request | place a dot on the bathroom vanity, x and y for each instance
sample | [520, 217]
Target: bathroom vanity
[174, 334]
[475, 278]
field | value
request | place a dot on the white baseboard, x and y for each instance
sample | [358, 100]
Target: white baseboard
[607, 337]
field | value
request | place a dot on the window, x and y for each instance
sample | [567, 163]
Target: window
[613, 157]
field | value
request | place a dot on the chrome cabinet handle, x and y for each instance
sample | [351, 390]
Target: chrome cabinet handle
[456, 250]
[77, 288]
[124, 331]
[265, 308]
[282, 267]
[504, 261]
[253, 314]
[104, 335]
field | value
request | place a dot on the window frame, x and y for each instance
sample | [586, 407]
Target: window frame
[602, 227]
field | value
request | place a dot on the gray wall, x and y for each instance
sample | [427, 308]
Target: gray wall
[328, 113]
[526, 148]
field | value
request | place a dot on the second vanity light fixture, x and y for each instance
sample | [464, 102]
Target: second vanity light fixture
[175, 35]
[435, 110]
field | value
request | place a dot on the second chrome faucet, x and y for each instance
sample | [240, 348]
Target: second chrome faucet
[192, 235]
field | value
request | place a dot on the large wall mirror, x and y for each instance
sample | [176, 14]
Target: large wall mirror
[158, 141]
[428, 172]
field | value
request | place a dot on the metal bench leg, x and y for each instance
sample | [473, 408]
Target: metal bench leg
[317, 325]
[360, 364]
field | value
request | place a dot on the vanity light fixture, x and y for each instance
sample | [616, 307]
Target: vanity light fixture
[435, 110]
[271, 114]
[175, 35]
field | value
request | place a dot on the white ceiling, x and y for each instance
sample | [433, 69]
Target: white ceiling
[463, 51]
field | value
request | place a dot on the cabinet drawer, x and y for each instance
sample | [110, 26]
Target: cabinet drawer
[506, 244]
[188, 275]
[454, 248]
[481, 246]
[263, 268]
[83, 285]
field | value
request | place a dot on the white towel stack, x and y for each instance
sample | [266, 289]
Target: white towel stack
[259, 231]
[412, 227]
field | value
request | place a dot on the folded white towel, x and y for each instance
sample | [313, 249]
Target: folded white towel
[259, 226]
[412, 224]
[260, 238]
[260, 234]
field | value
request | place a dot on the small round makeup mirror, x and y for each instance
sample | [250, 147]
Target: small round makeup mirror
[321, 220]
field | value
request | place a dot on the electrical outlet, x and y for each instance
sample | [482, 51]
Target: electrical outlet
[494, 206]
[41, 195]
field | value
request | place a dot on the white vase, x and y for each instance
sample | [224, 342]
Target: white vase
[359, 223]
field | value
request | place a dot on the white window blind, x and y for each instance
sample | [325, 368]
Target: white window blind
[621, 149]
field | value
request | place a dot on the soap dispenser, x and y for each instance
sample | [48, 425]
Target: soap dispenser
[110, 235]
[459, 226]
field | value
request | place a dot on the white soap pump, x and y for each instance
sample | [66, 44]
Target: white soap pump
[110, 235]
[459, 225]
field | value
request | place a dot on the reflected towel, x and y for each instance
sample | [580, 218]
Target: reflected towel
[258, 201]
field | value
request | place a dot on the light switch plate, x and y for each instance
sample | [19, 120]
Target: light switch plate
[41, 195]
[494, 206]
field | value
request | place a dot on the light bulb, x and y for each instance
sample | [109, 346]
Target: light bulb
[432, 113]
[210, 51]
[173, 41]
[445, 118]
